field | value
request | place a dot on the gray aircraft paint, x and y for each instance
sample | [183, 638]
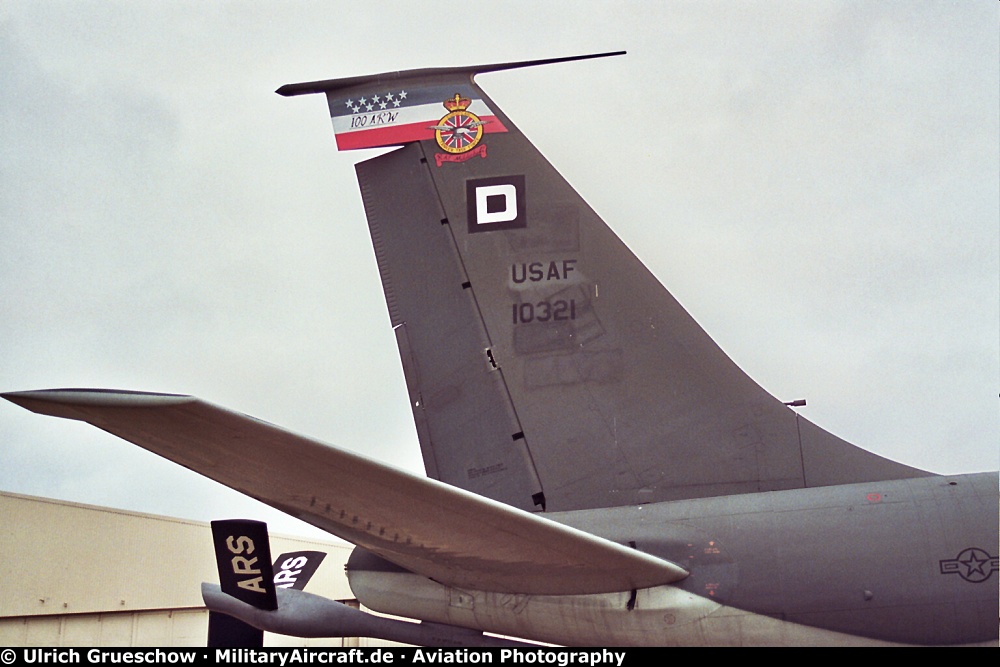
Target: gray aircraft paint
[851, 564]
[631, 425]
[860, 559]
[626, 401]
[546, 366]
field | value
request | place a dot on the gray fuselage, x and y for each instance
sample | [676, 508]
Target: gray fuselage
[872, 560]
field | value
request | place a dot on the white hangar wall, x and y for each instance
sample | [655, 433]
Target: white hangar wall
[81, 575]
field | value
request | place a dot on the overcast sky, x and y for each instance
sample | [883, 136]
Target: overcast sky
[817, 182]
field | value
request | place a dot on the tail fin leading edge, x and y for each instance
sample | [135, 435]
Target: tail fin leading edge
[546, 366]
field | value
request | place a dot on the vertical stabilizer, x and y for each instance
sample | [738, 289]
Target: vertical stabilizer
[546, 366]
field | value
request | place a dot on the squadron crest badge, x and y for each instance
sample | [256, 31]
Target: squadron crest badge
[458, 133]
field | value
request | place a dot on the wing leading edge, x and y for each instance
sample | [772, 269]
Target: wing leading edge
[452, 536]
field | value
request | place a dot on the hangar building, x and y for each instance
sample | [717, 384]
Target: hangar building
[81, 575]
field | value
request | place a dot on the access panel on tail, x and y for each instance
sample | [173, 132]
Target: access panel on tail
[546, 366]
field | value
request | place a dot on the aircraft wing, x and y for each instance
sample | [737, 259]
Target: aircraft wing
[452, 536]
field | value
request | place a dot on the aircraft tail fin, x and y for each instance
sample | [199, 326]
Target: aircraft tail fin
[546, 366]
[243, 556]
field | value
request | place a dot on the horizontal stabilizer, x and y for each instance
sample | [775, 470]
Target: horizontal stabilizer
[452, 536]
[302, 614]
